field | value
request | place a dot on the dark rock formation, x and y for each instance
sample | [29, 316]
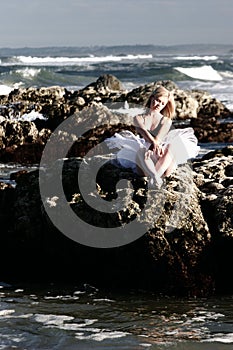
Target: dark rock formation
[211, 129]
[19, 139]
[215, 180]
[57, 103]
[186, 249]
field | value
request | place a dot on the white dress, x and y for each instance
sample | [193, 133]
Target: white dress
[182, 142]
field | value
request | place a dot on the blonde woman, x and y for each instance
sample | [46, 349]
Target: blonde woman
[158, 150]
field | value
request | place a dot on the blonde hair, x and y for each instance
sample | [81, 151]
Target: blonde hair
[169, 109]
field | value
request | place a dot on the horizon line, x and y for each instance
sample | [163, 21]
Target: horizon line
[109, 46]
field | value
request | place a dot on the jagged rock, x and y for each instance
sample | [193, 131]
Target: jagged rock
[210, 129]
[215, 181]
[106, 88]
[7, 197]
[57, 104]
[171, 257]
[207, 105]
[13, 133]
[108, 82]
[186, 248]
[216, 188]
[20, 141]
[186, 105]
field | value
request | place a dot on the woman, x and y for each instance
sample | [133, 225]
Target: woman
[159, 150]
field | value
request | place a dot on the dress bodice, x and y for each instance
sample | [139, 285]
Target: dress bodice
[154, 132]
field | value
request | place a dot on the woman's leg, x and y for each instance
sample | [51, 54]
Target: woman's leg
[146, 162]
[156, 167]
[170, 169]
[146, 165]
[165, 164]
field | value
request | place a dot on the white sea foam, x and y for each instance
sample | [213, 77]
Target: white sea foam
[56, 320]
[104, 300]
[59, 297]
[77, 292]
[5, 90]
[28, 73]
[197, 58]
[78, 327]
[129, 85]
[7, 312]
[82, 331]
[221, 338]
[33, 60]
[227, 74]
[60, 321]
[202, 73]
[102, 335]
[145, 345]
[33, 115]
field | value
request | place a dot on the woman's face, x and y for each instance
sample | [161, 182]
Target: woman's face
[157, 103]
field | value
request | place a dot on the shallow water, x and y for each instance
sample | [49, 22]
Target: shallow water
[7, 169]
[52, 317]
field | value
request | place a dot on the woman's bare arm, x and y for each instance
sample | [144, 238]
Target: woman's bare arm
[140, 127]
[165, 127]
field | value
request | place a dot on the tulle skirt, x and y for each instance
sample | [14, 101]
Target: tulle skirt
[182, 144]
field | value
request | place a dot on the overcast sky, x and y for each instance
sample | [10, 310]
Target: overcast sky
[37, 23]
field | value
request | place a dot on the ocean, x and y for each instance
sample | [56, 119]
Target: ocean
[63, 317]
[83, 317]
[205, 67]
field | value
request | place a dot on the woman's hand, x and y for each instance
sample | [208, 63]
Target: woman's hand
[159, 151]
[148, 154]
[157, 148]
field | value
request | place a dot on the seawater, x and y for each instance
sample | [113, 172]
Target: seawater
[84, 317]
[205, 67]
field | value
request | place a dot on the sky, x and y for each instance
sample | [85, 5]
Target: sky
[38, 23]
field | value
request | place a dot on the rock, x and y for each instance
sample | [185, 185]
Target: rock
[56, 104]
[186, 105]
[209, 106]
[21, 142]
[189, 104]
[50, 102]
[15, 133]
[186, 248]
[7, 197]
[212, 130]
[170, 257]
[217, 208]
[215, 169]
[141, 94]
[106, 88]
[108, 82]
